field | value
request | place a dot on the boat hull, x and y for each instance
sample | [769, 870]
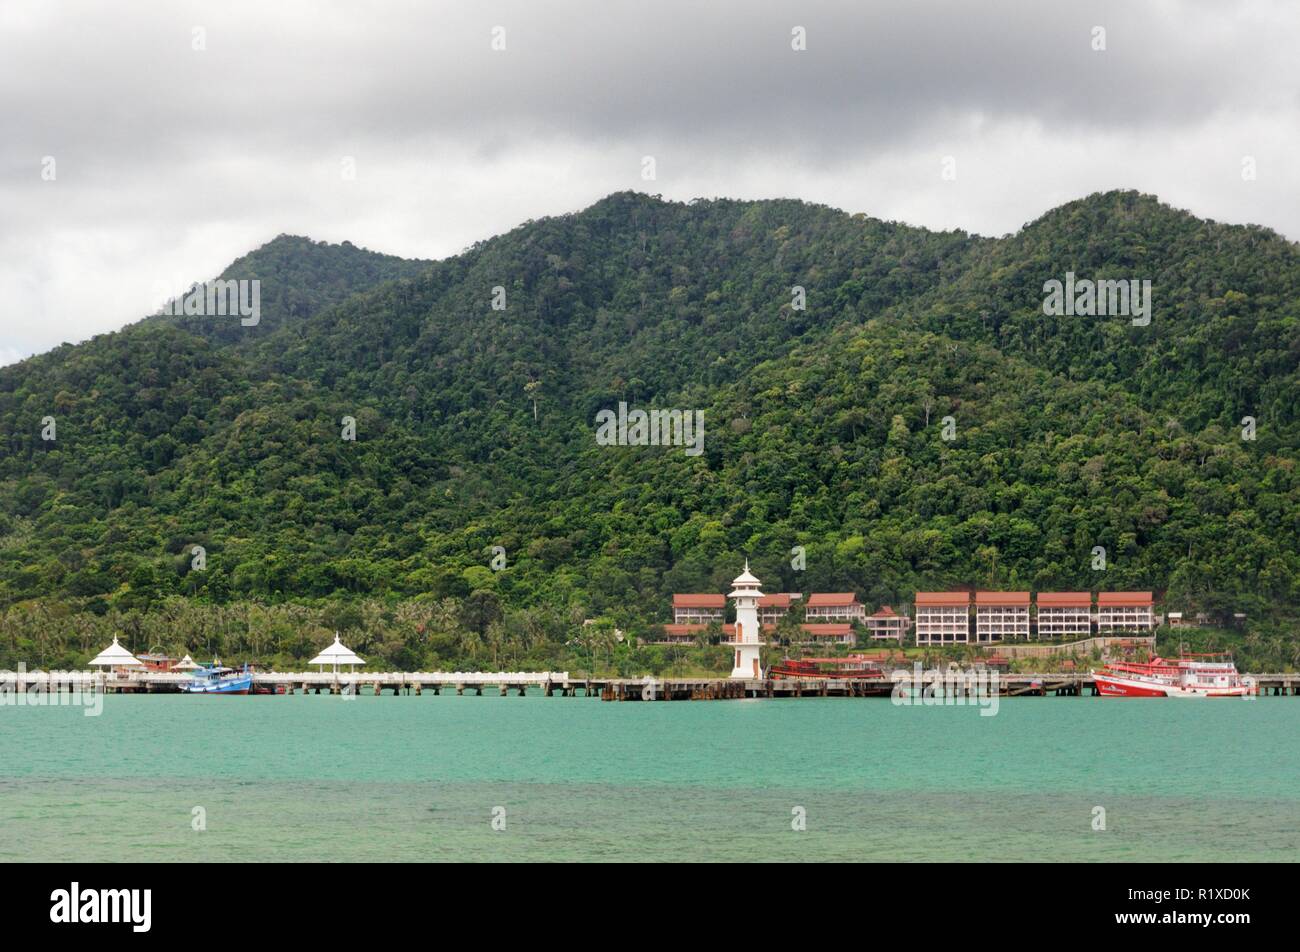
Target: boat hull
[1108, 686]
[237, 685]
[1111, 686]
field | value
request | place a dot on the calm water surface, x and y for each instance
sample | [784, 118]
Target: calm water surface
[420, 778]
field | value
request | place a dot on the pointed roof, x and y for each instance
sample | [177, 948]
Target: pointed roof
[116, 656]
[185, 664]
[337, 653]
[745, 585]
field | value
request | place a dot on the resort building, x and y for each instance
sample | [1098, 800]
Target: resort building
[840, 633]
[1001, 615]
[772, 608]
[157, 662]
[1125, 611]
[942, 618]
[886, 624]
[698, 609]
[688, 634]
[1064, 614]
[835, 606]
[1180, 620]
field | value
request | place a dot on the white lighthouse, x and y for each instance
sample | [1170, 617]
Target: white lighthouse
[746, 644]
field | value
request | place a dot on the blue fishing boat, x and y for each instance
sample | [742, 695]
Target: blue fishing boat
[214, 679]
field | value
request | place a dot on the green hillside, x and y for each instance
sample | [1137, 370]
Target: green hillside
[475, 428]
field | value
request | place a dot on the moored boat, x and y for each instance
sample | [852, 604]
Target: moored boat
[850, 666]
[215, 679]
[1185, 677]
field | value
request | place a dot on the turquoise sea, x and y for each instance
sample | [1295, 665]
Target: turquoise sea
[424, 778]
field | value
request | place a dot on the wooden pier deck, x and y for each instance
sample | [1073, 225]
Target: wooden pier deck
[552, 683]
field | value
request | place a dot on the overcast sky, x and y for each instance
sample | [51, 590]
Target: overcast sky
[170, 161]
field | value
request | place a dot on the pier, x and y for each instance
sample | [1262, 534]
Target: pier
[1007, 685]
[562, 684]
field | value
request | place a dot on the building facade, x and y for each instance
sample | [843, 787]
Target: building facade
[1001, 616]
[1064, 614]
[689, 634]
[942, 618]
[835, 607]
[833, 633]
[698, 609]
[886, 625]
[1125, 611]
[772, 608]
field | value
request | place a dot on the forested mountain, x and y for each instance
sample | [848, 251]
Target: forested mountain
[824, 429]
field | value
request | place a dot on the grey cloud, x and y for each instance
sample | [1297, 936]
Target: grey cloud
[169, 157]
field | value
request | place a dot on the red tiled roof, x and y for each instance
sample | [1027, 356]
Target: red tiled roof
[1124, 599]
[828, 599]
[943, 598]
[776, 600]
[699, 601]
[1065, 599]
[828, 629]
[1002, 598]
[885, 612]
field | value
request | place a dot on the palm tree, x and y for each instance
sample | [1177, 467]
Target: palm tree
[469, 643]
[496, 637]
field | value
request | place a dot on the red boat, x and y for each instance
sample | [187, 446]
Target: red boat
[1186, 677]
[850, 666]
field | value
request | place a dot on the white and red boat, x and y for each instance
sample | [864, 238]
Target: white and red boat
[1214, 676]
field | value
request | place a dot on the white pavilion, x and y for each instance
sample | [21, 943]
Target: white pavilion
[746, 645]
[336, 654]
[115, 656]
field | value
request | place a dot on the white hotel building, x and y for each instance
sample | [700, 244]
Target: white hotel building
[1125, 611]
[1064, 614]
[942, 618]
[1001, 616]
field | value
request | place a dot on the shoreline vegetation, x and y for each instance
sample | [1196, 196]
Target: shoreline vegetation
[480, 634]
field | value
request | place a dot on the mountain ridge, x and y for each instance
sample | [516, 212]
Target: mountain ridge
[475, 426]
